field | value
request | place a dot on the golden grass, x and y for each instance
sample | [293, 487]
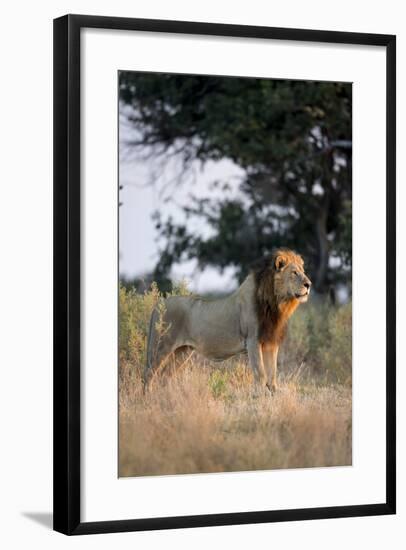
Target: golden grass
[208, 419]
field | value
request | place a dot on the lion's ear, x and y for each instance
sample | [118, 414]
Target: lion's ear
[280, 263]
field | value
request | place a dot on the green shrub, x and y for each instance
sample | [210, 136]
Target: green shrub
[218, 383]
[135, 311]
[319, 342]
[337, 355]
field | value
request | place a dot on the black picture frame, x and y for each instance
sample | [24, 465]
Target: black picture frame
[67, 264]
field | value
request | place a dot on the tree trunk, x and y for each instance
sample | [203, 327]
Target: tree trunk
[322, 241]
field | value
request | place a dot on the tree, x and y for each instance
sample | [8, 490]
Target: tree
[293, 141]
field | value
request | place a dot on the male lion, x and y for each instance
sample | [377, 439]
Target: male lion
[253, 319]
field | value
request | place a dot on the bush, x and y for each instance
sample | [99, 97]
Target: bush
[135, 311]
[135, 314]
[336, 356]
[319, 342]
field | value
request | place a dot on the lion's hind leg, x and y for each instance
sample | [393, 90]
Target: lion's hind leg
[169, 362]
[158, 364]
[179, 360]
[159, 348]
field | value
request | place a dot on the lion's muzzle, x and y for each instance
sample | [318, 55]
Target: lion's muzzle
[303, 294]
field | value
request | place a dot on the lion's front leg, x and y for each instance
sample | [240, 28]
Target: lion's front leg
[256, 362]
[270, 355]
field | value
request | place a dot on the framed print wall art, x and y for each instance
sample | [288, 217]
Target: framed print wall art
[224, 300]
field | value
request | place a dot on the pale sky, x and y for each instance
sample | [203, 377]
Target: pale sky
[140, 198]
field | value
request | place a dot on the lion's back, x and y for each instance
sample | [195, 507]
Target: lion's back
[211, 326]
[177, 311]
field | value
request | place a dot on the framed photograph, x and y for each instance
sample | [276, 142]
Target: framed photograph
[224, 274]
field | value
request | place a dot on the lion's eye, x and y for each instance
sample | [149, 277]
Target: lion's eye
[295, 273]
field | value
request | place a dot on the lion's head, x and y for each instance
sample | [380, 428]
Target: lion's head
[281, 278]
[289, 279]
[281, 284]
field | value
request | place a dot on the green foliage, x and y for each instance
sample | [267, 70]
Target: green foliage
[179, 288]
[343, 244]
[218, 380]
[292, 139]
[135, 311]
[337, 355]
[319, 342]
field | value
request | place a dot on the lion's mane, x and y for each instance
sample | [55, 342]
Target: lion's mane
[273, 310]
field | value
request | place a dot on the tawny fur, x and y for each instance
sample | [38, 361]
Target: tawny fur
[252, 320]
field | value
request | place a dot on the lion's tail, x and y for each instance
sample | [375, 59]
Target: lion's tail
[150, 347]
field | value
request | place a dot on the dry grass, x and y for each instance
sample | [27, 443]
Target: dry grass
[206, 418]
